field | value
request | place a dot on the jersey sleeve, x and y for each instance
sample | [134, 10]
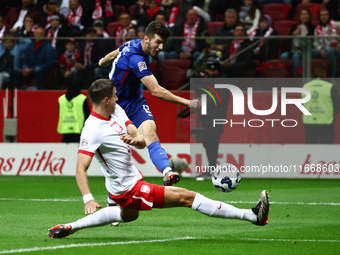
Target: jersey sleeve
[139, 66]
[123, 115]
[89, 141]
[127, 44]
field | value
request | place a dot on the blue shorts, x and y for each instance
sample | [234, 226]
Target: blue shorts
[138, 112]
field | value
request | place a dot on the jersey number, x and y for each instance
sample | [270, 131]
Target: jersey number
[147, 110]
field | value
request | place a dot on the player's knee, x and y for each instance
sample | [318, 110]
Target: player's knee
[187, 198]
[130, 217]
[151, 137]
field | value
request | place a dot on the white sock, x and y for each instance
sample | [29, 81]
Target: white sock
[102, 217]
[167, 169]
[221, 210]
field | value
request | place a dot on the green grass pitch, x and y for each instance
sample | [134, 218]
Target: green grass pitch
[304, 219]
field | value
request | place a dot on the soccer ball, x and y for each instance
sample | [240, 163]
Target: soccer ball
[226, 177]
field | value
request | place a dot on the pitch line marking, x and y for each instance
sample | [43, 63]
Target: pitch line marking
[231, 202]
[290, 240]
[94, 244]
[156, 241]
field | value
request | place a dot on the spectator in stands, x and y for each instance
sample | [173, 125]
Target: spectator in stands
[140, 32]
[30, 23]
[121, 31]
[324, 105]
[190, 47]
[56, 31]
[102, 10]
[161, 17]
[76, 18]
[230, 21]
[2, 27]
[146, 13]
[332, 6]
[168, 46]
[178, 11]
[217, 8]
[23, 34]
[38, 60]
[201, 62]
[7, 54]
[326, 47]
[267, 47]
[50, 9]
[237, 65]
[15, 17]
[87, 70]
[73, 111]
[132, 33]
[293, 47]
[98, 25]
[67, 62]
[250, 15]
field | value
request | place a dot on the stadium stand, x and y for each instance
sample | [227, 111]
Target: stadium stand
[174, 77]
[120, 8]
[213, 25]
[181, 63]
[283, 26]
[283, 17]
[277, 11]
[111, 27]
[132, 9]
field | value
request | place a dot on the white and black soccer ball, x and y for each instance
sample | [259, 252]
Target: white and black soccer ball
[226, 177]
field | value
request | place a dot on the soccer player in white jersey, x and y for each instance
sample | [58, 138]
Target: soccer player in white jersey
[108, 135]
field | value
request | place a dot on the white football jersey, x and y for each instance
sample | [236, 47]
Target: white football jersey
[101, 137]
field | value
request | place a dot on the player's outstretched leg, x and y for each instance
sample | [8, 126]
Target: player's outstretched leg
[257, 215]
[59, 231]
[262, 209]
[100, 218]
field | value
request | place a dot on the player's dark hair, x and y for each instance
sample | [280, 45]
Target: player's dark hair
[100, 89]
[157, 28]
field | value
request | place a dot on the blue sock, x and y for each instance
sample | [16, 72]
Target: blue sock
[158, 156]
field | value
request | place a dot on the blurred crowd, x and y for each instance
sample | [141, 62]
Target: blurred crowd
[50, 44]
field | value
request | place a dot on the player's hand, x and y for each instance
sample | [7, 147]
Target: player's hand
[128, 139]
[194, 104]
[91, 206]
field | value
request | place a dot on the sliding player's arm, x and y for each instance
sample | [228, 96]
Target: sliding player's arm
[133, 137]
[108, 59]
[83, 163]
[158, 91]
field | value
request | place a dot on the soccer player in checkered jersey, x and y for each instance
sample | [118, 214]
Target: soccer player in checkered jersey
[129, 69]
[108, 134]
